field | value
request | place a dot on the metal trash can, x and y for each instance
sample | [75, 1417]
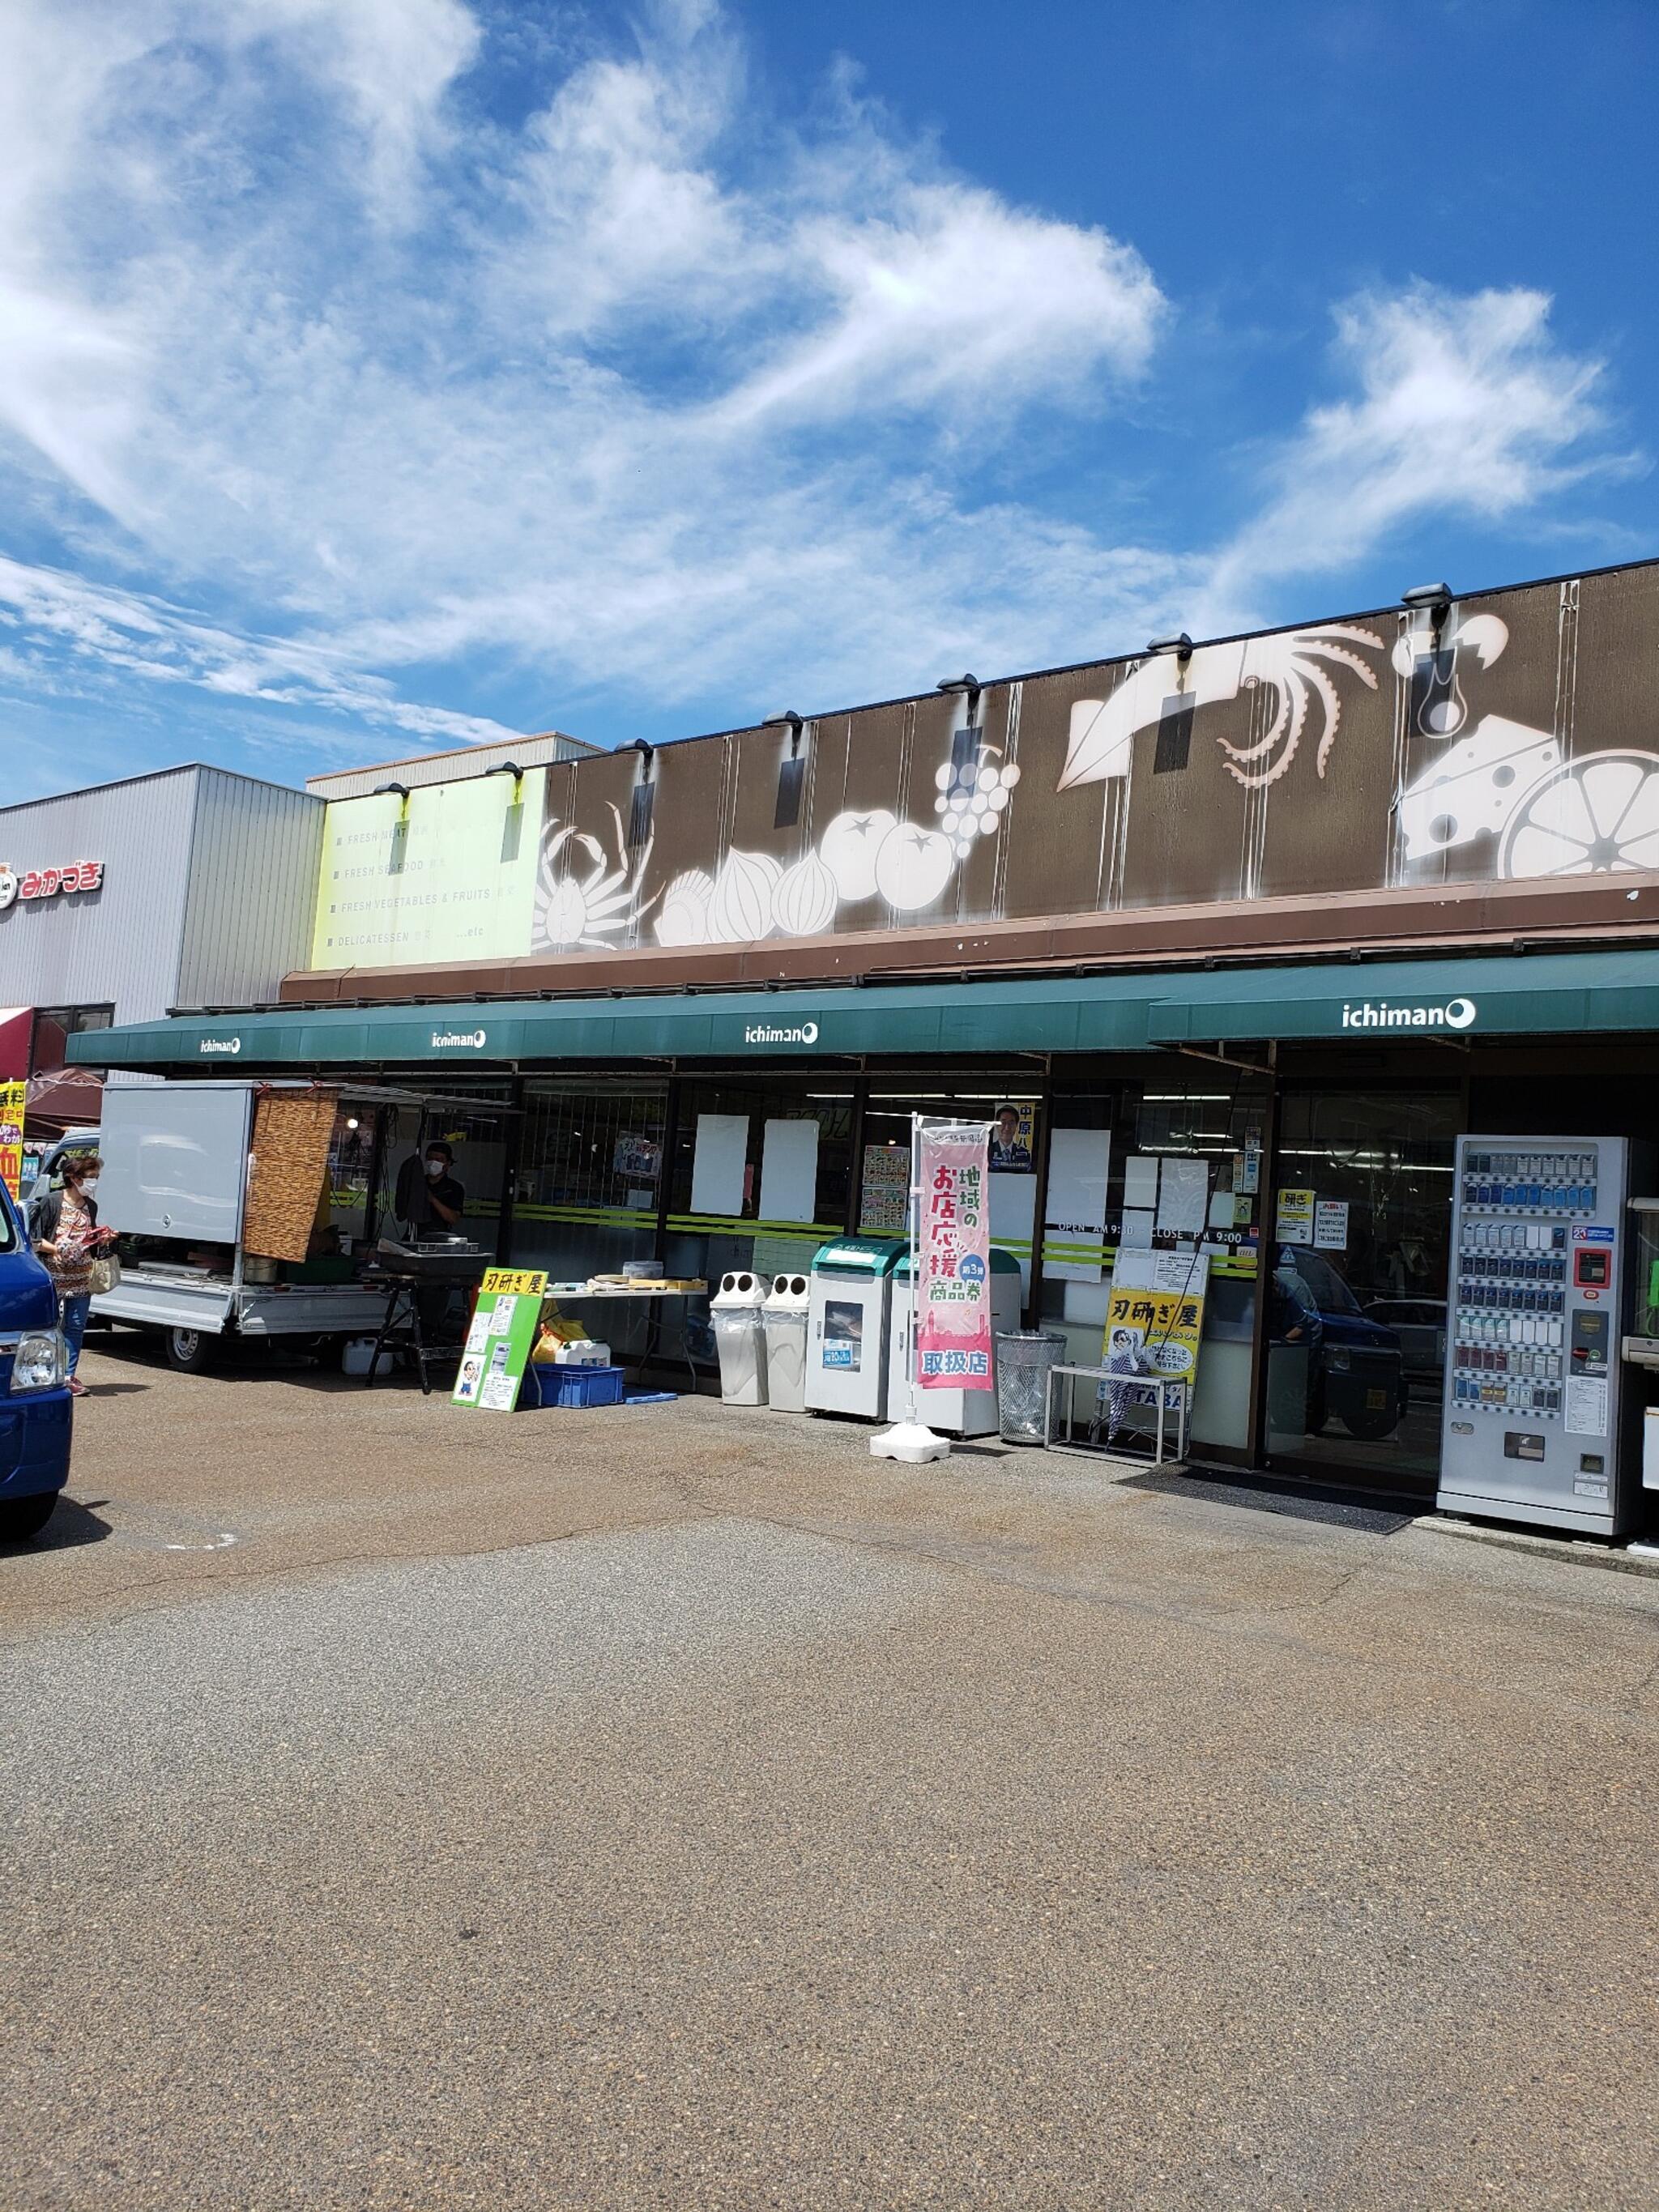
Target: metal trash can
[785, 1317]
[1023, 1358]
[739, 1342]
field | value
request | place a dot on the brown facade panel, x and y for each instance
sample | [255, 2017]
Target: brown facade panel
[692, 884]
[587, 893]
[1481, 916]
[1505, 740]
[1059, 840]
[1477, 713]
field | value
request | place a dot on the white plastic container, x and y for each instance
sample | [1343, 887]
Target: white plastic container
[357, 1351]
[739, 1338]
[963, 1413]
[785, 1318]
[580, 1352]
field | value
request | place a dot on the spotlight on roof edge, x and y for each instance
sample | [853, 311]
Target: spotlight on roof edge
[958, 683]
[1422, 595]
[1181, 646]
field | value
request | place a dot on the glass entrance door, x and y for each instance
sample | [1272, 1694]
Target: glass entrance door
[1356, 1313]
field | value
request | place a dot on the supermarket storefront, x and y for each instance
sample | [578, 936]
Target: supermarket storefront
[1306, 1113]
[1233, 939]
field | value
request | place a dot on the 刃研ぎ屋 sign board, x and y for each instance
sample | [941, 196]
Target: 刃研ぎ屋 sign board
[501, 1339]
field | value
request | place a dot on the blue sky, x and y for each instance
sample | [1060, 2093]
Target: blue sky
[383, 373]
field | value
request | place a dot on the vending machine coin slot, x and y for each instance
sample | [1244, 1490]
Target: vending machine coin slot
[1589, 1343]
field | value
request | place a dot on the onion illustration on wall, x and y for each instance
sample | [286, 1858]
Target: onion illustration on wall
[740, 906]
[804, 904]
[864, 854]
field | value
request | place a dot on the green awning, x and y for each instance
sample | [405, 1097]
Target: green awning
[1552, 993]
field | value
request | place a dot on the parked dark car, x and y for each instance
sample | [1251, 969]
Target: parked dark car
[1359, 1375]
[1421, 1325]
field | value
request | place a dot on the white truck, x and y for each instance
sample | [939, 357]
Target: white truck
[174, 1186]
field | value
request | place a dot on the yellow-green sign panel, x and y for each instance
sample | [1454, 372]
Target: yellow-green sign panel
[448, 873]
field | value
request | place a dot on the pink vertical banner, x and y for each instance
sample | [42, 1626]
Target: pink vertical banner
[953, 1244]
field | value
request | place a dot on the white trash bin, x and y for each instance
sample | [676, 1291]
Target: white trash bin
[739, 1338]
[785, 1317]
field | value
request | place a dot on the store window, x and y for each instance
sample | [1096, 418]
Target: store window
[589, 1175]
[761, 1174]
[476, 1135]
[352, 1157]
[1357, 1317]
[1012, 1107]
[53, 1025]
[1162, 1176]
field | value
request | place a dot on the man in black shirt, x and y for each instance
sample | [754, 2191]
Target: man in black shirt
[428, 1197]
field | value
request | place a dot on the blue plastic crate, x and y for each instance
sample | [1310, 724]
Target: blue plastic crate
[570, 1385]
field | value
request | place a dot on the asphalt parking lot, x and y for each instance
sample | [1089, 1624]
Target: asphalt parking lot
[671, 1805]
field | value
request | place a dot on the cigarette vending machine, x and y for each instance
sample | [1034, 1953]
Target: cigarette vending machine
[1533, 1412]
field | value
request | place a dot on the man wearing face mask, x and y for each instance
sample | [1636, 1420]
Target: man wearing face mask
[428, 1198]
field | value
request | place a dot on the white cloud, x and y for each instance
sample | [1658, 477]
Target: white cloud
[654, 393]
[1466, 405]
[136, 634]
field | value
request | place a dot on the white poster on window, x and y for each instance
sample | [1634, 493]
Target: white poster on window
[1013, 1218]
[1331, 1224]
[718, 1163]
[1074, 1218]
[1183, 1197]
[1140, 1179]
[789, 1171]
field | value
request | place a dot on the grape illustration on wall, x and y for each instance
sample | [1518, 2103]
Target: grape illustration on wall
[865, 853]
[972, 798]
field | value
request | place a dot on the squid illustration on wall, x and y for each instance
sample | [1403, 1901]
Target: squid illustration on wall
[1296, 665]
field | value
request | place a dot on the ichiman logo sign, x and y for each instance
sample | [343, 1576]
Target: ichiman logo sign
[1455, 1014]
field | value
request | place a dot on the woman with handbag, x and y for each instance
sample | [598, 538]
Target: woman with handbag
[64, 1227]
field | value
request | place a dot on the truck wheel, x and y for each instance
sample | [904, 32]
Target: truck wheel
[23, 1517]
[189, 1351]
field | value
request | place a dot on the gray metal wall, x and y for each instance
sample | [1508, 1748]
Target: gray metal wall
[118, 944]
[252, 890]
[209, 881]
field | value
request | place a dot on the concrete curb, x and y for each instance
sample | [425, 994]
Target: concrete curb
[1561, 1551]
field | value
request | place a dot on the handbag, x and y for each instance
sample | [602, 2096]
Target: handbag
[106, 1274]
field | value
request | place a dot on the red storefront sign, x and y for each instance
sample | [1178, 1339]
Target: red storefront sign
[46, 882]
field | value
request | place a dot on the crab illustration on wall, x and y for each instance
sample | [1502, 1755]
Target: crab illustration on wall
[598, 906]
[1296, 665]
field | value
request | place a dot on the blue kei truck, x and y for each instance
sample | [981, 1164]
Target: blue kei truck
[35, 1405]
